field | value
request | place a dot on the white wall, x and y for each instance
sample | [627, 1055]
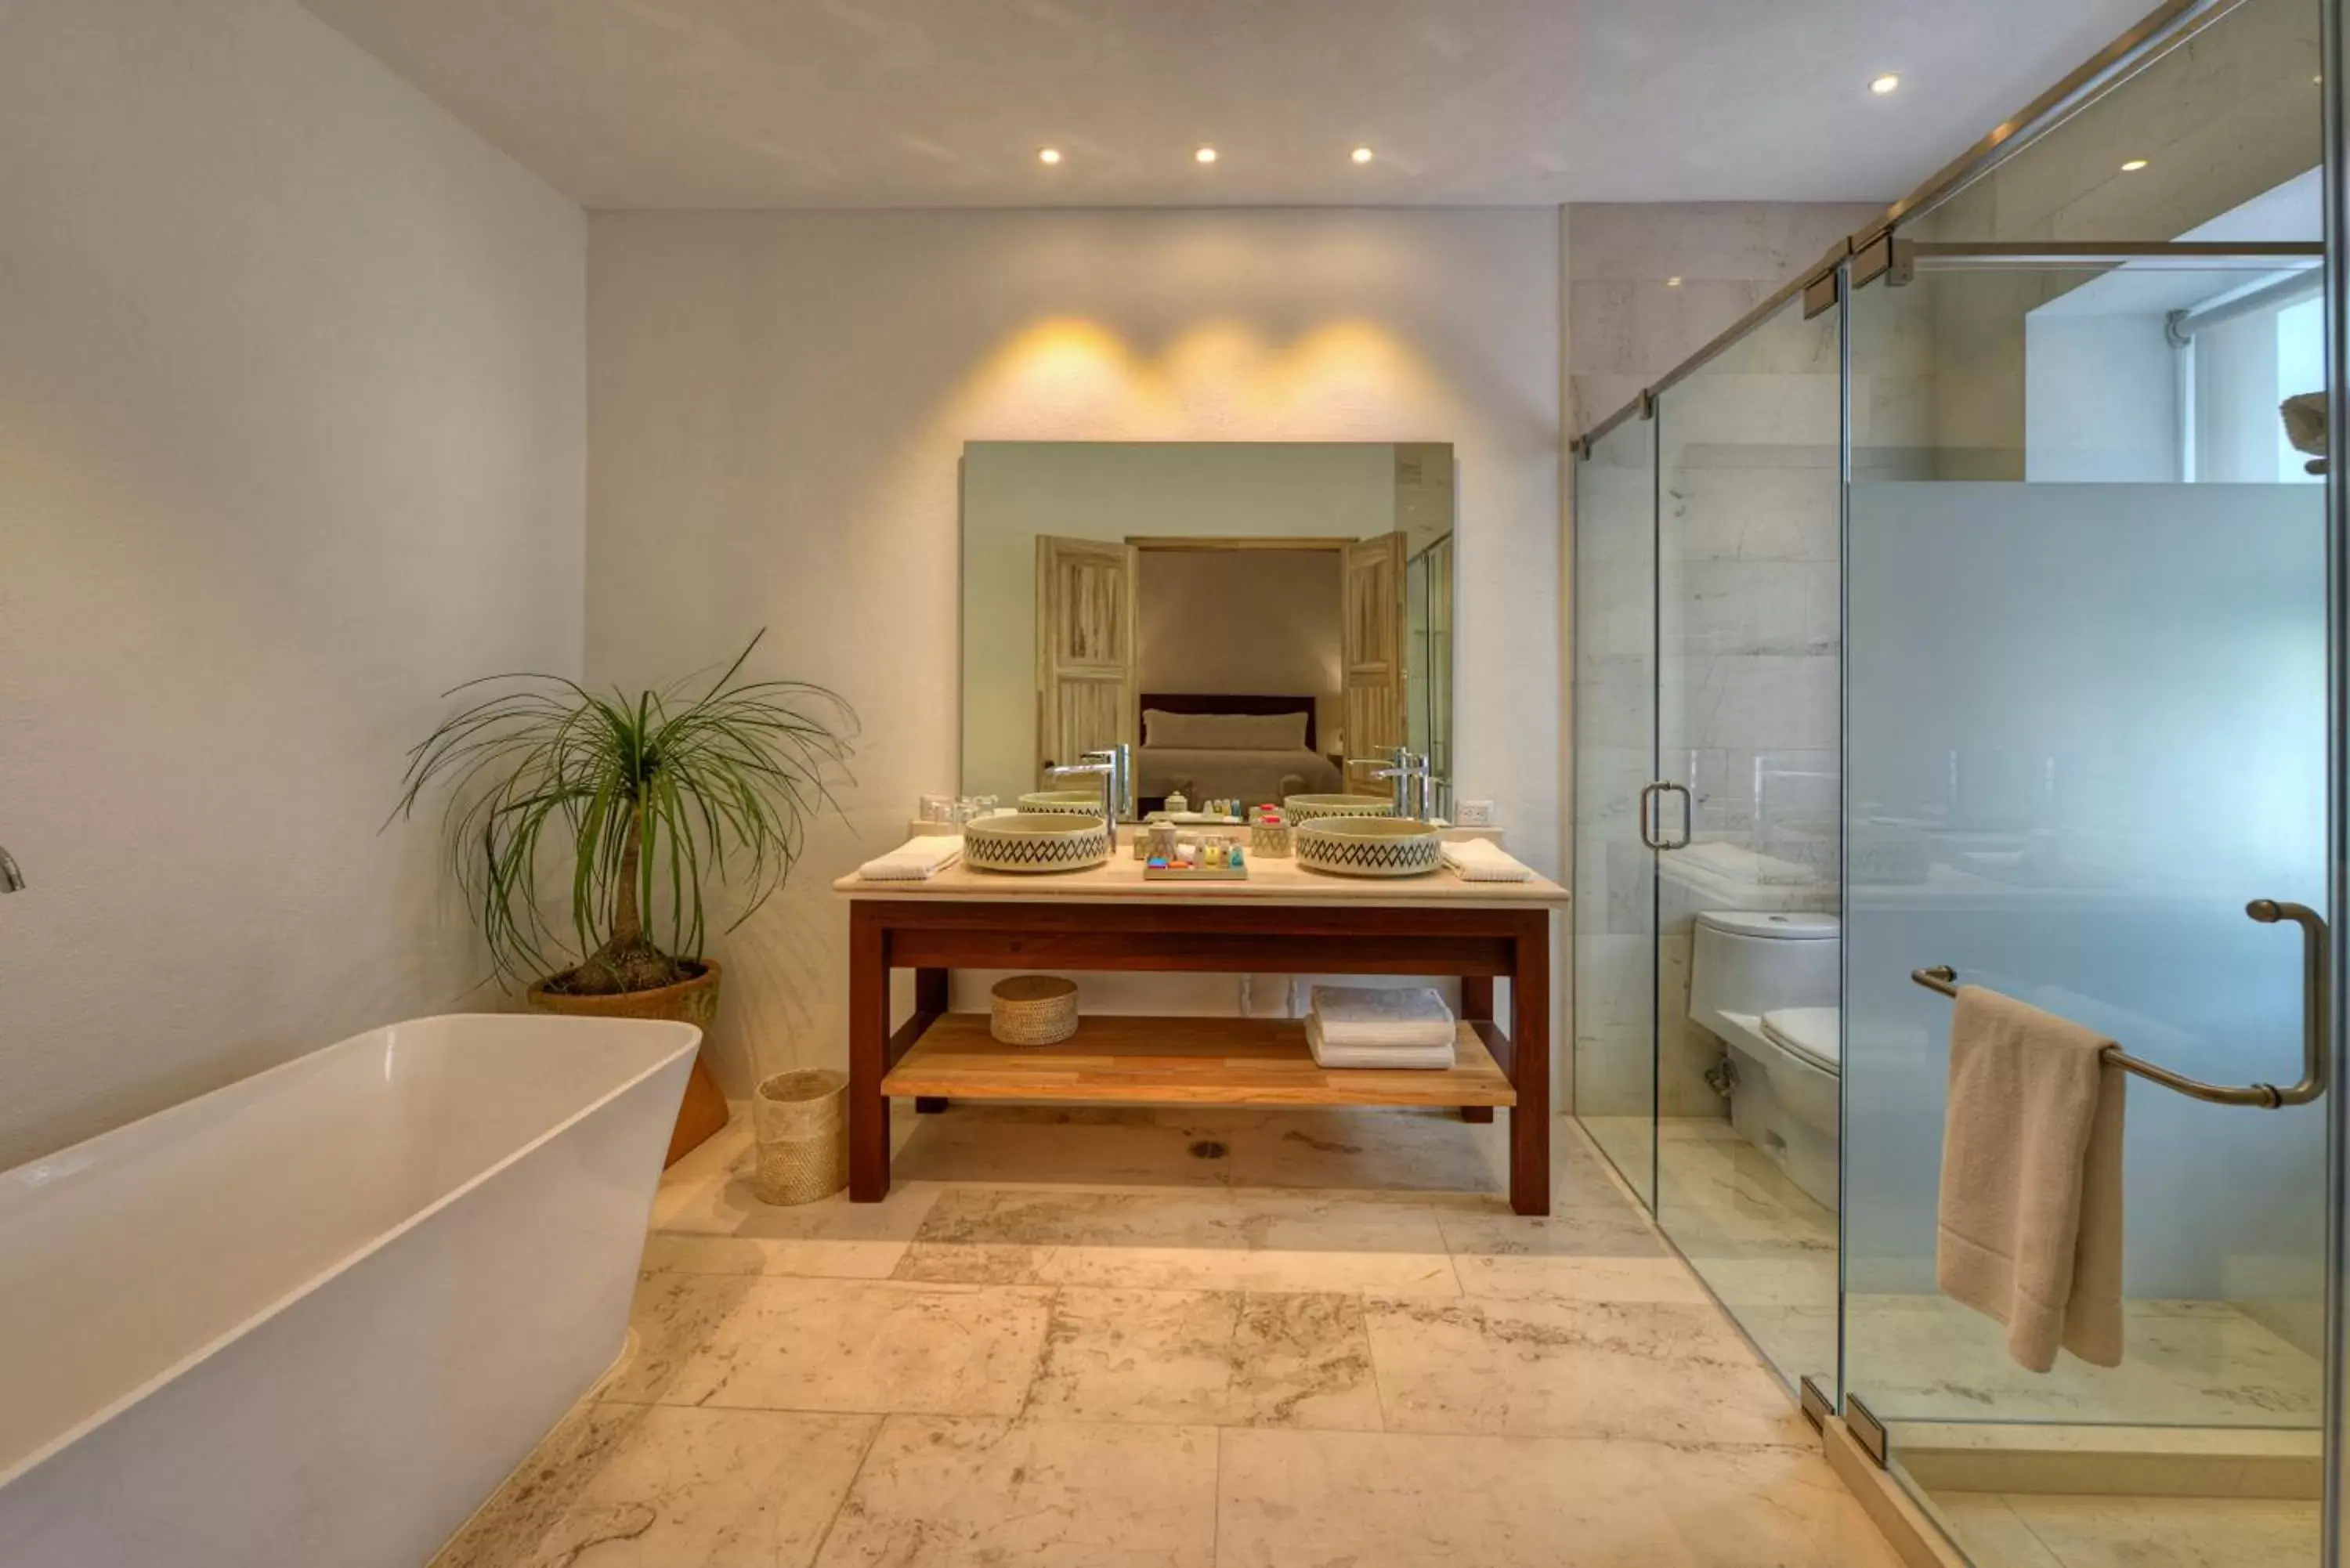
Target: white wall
[778, 402]
[292, 395]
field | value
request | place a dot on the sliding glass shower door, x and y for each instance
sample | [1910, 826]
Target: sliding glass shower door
[1615, 713]
[2086, 738]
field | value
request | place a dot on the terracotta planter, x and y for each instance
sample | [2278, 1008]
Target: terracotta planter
[703, 1110]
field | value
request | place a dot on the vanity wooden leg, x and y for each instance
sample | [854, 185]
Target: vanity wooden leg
[1530, 1066]
[868, 1056]
[1476, 1002]
[1477, 996]
[930, 990]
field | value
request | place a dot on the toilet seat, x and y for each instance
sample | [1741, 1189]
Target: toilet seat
[1811, 1035]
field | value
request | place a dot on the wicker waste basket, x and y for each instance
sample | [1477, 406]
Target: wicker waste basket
[801, 1121]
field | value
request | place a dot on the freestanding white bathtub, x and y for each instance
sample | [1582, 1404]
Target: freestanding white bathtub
[316, 1317]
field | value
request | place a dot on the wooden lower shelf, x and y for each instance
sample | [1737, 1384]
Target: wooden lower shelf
[1179, 1060]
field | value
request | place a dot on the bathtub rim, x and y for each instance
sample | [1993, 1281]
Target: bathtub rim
[688, 1044]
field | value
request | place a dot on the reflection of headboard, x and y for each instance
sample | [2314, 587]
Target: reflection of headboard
[1227, 703]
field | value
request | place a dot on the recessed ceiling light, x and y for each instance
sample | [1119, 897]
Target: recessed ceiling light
[1672, 283]
[1048, 155]
[2134, 165]
[1361, 155]
[1885, 84]
[1205, 155]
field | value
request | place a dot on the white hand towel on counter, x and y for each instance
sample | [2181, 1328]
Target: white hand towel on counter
[916, 860]
[2030, 1225]
[1482, 861]
[1424, 1058]
[1357, 1016]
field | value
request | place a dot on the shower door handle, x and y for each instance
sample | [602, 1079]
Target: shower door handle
[1652, 826]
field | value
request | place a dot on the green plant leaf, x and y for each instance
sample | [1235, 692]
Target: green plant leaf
[644, 805]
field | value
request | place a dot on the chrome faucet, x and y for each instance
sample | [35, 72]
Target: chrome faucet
[1114, 765]
[12, 880]
[1413, 781]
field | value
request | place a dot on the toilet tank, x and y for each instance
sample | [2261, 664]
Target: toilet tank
[1750, 962]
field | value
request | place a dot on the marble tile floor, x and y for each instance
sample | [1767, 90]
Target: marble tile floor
[2014, 1530]
[1321, 1339]
[1768, 1252]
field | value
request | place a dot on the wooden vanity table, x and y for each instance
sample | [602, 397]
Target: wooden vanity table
[1284, 919]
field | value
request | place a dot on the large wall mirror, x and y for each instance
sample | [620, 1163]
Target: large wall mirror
[1247, 615]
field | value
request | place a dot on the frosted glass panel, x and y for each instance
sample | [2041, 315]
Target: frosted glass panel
[2085, 724]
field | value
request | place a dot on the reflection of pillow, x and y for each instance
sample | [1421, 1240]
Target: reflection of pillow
[1225, 732]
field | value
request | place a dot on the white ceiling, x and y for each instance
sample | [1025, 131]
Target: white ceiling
[866, 103]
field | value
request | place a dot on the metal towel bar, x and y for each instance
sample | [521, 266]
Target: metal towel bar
[2316, 990]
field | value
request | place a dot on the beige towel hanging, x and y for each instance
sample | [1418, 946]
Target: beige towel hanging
[2030, 1224]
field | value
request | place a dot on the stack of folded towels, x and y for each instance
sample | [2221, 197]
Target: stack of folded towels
[1363, 1026]
[1481, 860]
[916, 860]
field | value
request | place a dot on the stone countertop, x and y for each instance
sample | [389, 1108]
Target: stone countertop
[1270, 881]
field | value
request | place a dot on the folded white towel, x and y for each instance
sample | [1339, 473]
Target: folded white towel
[1423, 1058]
[916, 860]
[1483, 860]
[1364, 1015]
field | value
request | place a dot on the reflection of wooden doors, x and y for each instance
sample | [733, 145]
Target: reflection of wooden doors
[1085, 691]
[1374, 633]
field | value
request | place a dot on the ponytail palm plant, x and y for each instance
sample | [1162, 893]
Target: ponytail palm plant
[635, 804]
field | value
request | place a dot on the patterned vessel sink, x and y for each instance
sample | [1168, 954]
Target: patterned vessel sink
[1084, 802]
[1035, 841]
[1300, 808]
[1369, 846]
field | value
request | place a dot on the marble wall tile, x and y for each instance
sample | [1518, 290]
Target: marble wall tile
[833, 1344]
[1627, 325]
[1657, 1370]
[962, 1493]
[1421, 1501]
[653, 1487]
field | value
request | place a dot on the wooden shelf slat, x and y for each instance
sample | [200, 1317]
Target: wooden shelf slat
[1179, 1060]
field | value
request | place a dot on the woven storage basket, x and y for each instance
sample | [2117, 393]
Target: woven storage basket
[1033, 1010]
[801, 1122]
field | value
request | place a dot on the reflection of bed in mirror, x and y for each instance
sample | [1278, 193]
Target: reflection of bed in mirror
[1100, 578]
[1225, 746]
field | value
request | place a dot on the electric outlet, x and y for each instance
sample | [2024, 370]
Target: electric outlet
[1475, 813]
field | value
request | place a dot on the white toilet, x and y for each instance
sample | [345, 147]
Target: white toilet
[1764, 985]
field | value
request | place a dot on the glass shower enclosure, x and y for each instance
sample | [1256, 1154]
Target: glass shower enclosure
[1968, 616]
[2015, 696]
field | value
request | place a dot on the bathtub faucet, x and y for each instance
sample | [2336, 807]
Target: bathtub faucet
[12, 880]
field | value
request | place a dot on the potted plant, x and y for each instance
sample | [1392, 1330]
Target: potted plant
[634, 804]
